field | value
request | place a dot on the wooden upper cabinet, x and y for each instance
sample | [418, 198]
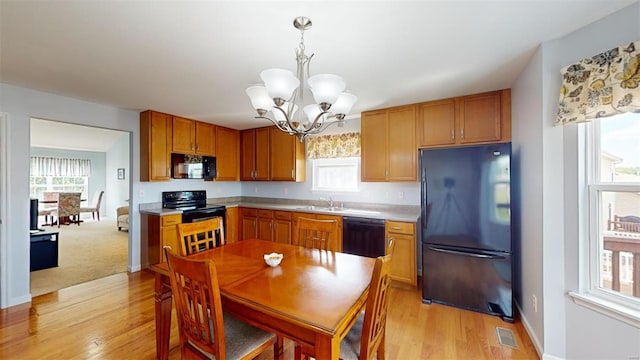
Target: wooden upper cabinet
[205, 139]
[473, 119]
[193, 137]
[402, 154]
[227, 154]
[479, 118]
[388, 144]
[286, 156]
[254, 154]
[436, 123]
[373, 142]
[155, 146]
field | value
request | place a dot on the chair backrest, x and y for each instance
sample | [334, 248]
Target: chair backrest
[97, 199]
[201, 235]
[375, 316]
[50, 196]
[197, 300]
[318, 234]
[68, 204]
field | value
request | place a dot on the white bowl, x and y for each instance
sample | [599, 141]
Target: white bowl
[273, 259]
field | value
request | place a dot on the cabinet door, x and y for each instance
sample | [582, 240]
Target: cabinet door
[373, 141]
[184, 135]
[228, 154]
[403, 263]
[262, 151]
[282, 231]
[265, 229]
[231, 225]
[247, 154]
[282, 155]
[205, 139]
[155, 146]
[249, 227]
[402, 151]
[479, 119]
[436, 123]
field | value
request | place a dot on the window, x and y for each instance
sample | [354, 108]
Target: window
[40, 184]
[613, 189]
[339, 174]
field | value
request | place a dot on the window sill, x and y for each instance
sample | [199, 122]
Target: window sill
[608, 308]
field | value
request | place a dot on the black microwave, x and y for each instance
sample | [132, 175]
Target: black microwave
[193, 166]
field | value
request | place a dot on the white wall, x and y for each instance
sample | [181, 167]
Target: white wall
[116, 192]
[526, 107]
[568, 330]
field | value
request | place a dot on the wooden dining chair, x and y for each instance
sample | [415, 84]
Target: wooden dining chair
[206, 332]
[68, 208]
[318, 234]
[201, 235]
[365, 340]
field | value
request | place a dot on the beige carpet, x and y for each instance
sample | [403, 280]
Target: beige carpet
[93, 250]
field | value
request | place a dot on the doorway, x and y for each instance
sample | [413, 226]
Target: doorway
[95, 248]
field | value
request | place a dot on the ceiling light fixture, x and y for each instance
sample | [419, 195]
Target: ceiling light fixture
[283, 95]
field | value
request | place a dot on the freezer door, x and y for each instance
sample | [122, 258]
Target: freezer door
[469, 279]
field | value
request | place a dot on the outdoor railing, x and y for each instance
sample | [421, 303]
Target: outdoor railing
[624, 235]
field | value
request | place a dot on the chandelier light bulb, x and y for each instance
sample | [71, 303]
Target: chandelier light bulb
[259, 97]
[326, 87]
[344, 103]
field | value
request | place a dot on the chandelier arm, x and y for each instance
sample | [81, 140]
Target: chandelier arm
[315, 121]
[291, 129]
[281, 128]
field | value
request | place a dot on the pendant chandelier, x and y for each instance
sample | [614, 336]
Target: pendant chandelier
[283, 94]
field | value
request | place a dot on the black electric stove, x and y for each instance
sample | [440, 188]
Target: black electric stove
[193, 204]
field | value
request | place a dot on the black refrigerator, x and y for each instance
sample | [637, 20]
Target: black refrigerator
[466, 228]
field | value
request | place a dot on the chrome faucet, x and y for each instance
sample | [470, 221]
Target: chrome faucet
[330, 201]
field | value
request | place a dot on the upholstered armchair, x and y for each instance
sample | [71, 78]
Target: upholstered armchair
[122, 214]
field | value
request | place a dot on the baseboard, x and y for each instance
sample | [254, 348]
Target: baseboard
[134, 268]
[19, 300]
[551, 357]
[532, 336]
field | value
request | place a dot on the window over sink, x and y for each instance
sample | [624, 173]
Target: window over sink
[336, 174]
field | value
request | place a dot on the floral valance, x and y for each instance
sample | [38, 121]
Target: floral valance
[333, 146]
[604, 85]
[49, 166]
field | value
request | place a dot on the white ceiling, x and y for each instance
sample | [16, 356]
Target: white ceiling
[195, 59]
[59, 135]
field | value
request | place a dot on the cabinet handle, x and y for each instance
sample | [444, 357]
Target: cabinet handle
[192, 146]
[453, 134]
[461, 133]
[292, 176]
[198, 147]
[395, 227]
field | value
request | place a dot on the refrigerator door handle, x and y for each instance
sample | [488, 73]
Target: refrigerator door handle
[464, 253]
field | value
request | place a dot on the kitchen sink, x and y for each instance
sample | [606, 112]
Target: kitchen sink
[337, 209]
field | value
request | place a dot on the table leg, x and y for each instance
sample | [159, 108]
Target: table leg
[327, 348]
[163, 316]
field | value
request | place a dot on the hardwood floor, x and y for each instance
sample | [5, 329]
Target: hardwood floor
[113, 318]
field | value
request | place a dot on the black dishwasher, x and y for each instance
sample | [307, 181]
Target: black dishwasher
[363, 236]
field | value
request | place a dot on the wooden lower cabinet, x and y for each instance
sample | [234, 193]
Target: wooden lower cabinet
[274, 225]
[248, 223]
[231, 226]
[160, 231]
[403, 263]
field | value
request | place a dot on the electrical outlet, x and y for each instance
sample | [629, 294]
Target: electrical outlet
[255, 189]
[401, 195]
[535, 303]
[141, 193]
[285, 191]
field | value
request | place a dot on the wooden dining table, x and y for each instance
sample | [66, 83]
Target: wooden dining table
[313, 297]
